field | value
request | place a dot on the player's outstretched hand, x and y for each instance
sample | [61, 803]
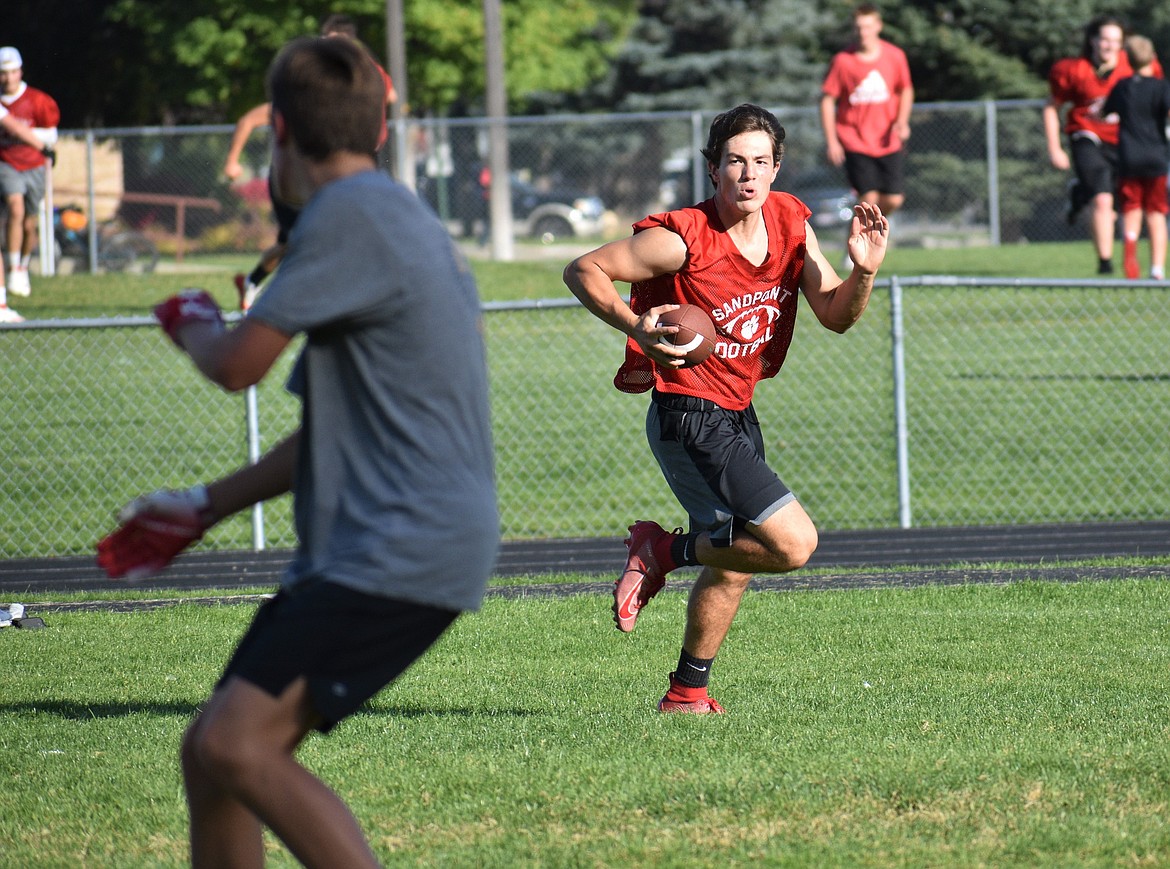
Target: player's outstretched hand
[192, 305]
[155, 528]
[869, 233]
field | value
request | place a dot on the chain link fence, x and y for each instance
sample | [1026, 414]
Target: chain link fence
[977, 174]
[952, 402]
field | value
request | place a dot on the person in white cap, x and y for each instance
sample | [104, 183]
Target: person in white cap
[10, 126]
[22, 165]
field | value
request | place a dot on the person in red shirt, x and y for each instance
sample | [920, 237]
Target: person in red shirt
[22, 166]
[1082, 83]
[248, 286]
[10, 126]
[744, 256]
[866, 100]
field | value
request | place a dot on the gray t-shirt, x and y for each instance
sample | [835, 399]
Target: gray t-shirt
[394, 493]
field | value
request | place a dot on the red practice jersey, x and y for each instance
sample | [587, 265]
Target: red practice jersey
[37, 109]
[754, 307]
[868, 95]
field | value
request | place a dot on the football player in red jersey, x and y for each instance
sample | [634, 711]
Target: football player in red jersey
[744, 256]
[1082, 83]
[22, 166]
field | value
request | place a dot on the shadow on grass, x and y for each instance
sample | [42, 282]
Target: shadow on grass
[72, 710]
[377, 711]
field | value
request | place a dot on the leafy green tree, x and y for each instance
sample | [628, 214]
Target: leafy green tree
[206, 59]
[185, 61]
[548, 48]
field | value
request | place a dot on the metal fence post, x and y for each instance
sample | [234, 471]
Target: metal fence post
[992, 122]
[91, 203]
[252, 416]
[901, 436]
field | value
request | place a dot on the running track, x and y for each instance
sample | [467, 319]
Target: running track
[931, 556]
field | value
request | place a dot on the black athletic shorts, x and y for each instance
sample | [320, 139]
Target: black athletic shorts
[284, 213]
[713, 461]
[1095, 164]
[883, 174]
[349, 645]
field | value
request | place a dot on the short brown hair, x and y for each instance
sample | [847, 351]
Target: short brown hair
[330, 94]
[744, 118]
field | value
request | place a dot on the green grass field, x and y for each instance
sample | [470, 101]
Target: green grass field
[1009, 726]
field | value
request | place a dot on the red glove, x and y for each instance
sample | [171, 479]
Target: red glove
[155, 528]
[190, 306]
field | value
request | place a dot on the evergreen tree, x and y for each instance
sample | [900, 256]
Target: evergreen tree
[711, 54]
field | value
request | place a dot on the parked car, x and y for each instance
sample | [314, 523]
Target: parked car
[549, 215]
[554, 214]
[830, 199]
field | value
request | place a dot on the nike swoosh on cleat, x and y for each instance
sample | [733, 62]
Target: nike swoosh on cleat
[629, 607]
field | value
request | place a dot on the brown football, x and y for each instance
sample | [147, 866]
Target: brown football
[696, 332]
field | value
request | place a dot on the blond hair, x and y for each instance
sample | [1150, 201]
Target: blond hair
[1141, 51]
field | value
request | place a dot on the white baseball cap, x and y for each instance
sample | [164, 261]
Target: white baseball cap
[10, 58]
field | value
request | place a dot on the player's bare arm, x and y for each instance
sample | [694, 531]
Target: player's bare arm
[833, 149]
[839, 304]
[20, 130]
[257, 116]
[234, 358]
[1057, 156]
[905, 107]
[270, 476]
[592, 276]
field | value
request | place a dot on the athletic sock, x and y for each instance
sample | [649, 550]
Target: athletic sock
[258, 276]
[691, 672]
[683, 549]
[1130, 262]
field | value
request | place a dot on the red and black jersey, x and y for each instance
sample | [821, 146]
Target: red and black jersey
[753, 307]
[1075, 80]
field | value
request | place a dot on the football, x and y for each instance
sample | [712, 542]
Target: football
[696, 333]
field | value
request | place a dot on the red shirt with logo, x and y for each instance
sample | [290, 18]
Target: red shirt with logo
[37, 109]
[868, 94]
[753, 307]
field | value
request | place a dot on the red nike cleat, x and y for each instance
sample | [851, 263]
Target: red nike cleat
[705, 706]
[1132, 269]
[642, 578]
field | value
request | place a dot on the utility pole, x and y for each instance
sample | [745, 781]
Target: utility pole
[497, 111]
[396, 61]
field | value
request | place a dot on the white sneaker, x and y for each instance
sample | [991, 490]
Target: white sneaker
[18, 281]
[7, 315]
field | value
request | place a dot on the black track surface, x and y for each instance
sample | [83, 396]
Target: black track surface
[931, 555]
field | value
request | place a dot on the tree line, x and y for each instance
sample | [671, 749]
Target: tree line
[149, 62]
